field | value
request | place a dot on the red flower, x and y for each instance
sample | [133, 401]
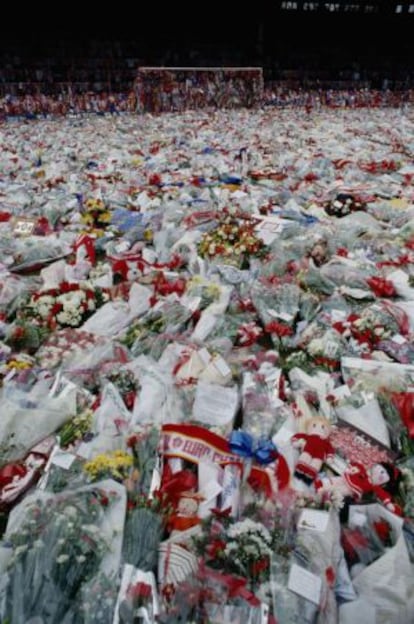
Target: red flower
[56, 308]
[154, 179]
[310, 177]
[18, 333]
[342, 251]
[383, 530]
[168, 591]
[216, 547]
[328, 363]
[104, 500]
[352, 541]
[280, 329]
[139, 591]
[132, 440]
[339, 327]
[260, 566]
[330, 576]
[381, 287]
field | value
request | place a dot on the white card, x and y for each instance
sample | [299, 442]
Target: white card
[313, 520]
[338, 315]
[63, 459]
[192, 303]
[215, 405]
[398, 339]
[331, 349]
[305, 583]
[222, 366]
[84, 450]
[204, 355]
[285, 316]
[264, 613]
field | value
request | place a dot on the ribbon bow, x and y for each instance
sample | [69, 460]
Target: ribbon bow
[243, 444]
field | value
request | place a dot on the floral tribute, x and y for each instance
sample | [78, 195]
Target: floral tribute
[69, 305]
[232, 240]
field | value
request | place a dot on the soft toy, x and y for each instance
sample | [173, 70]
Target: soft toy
[315, 448]
[186, 516]
[17, 478]
[382, 480]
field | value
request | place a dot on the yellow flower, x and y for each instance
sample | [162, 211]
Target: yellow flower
[87, 219]
[105, 217]
[213, 290]
[148, 235]
[18, 364]
[115, 463]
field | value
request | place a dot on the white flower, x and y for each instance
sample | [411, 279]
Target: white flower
[63, 318]
[70, 511]
[315, 346]
[92, 528]
[20, 550]
[43, 309]
[336, 499]
[62, 558]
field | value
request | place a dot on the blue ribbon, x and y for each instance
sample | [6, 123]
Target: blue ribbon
[243, 444]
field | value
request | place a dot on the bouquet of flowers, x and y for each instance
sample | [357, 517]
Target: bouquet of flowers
[126, 383]
[23, 335]
[137, 601]
[167, 317]
[144, 528]
[64, 471]
[279, 303]
[69, 305]
[95, 214]
[98, 599]
[57, 548]
[325, 351]
[232, 241]
[76, 429]
[366, 330]
[208, 291]
[243, 547]
[343, 204]
[66, 344]
[144, 447]
[364, 544]
[114, 464]
[259, 401]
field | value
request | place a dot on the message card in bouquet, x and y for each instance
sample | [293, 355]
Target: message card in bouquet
[23, 226]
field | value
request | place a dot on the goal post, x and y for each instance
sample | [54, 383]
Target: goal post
[163, 89]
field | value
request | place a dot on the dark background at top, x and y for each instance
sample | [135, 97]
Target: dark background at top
[218, 34]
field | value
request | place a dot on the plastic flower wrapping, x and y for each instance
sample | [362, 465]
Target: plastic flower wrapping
[206, 367]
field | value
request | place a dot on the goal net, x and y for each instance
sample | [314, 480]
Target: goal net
[162, 89]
